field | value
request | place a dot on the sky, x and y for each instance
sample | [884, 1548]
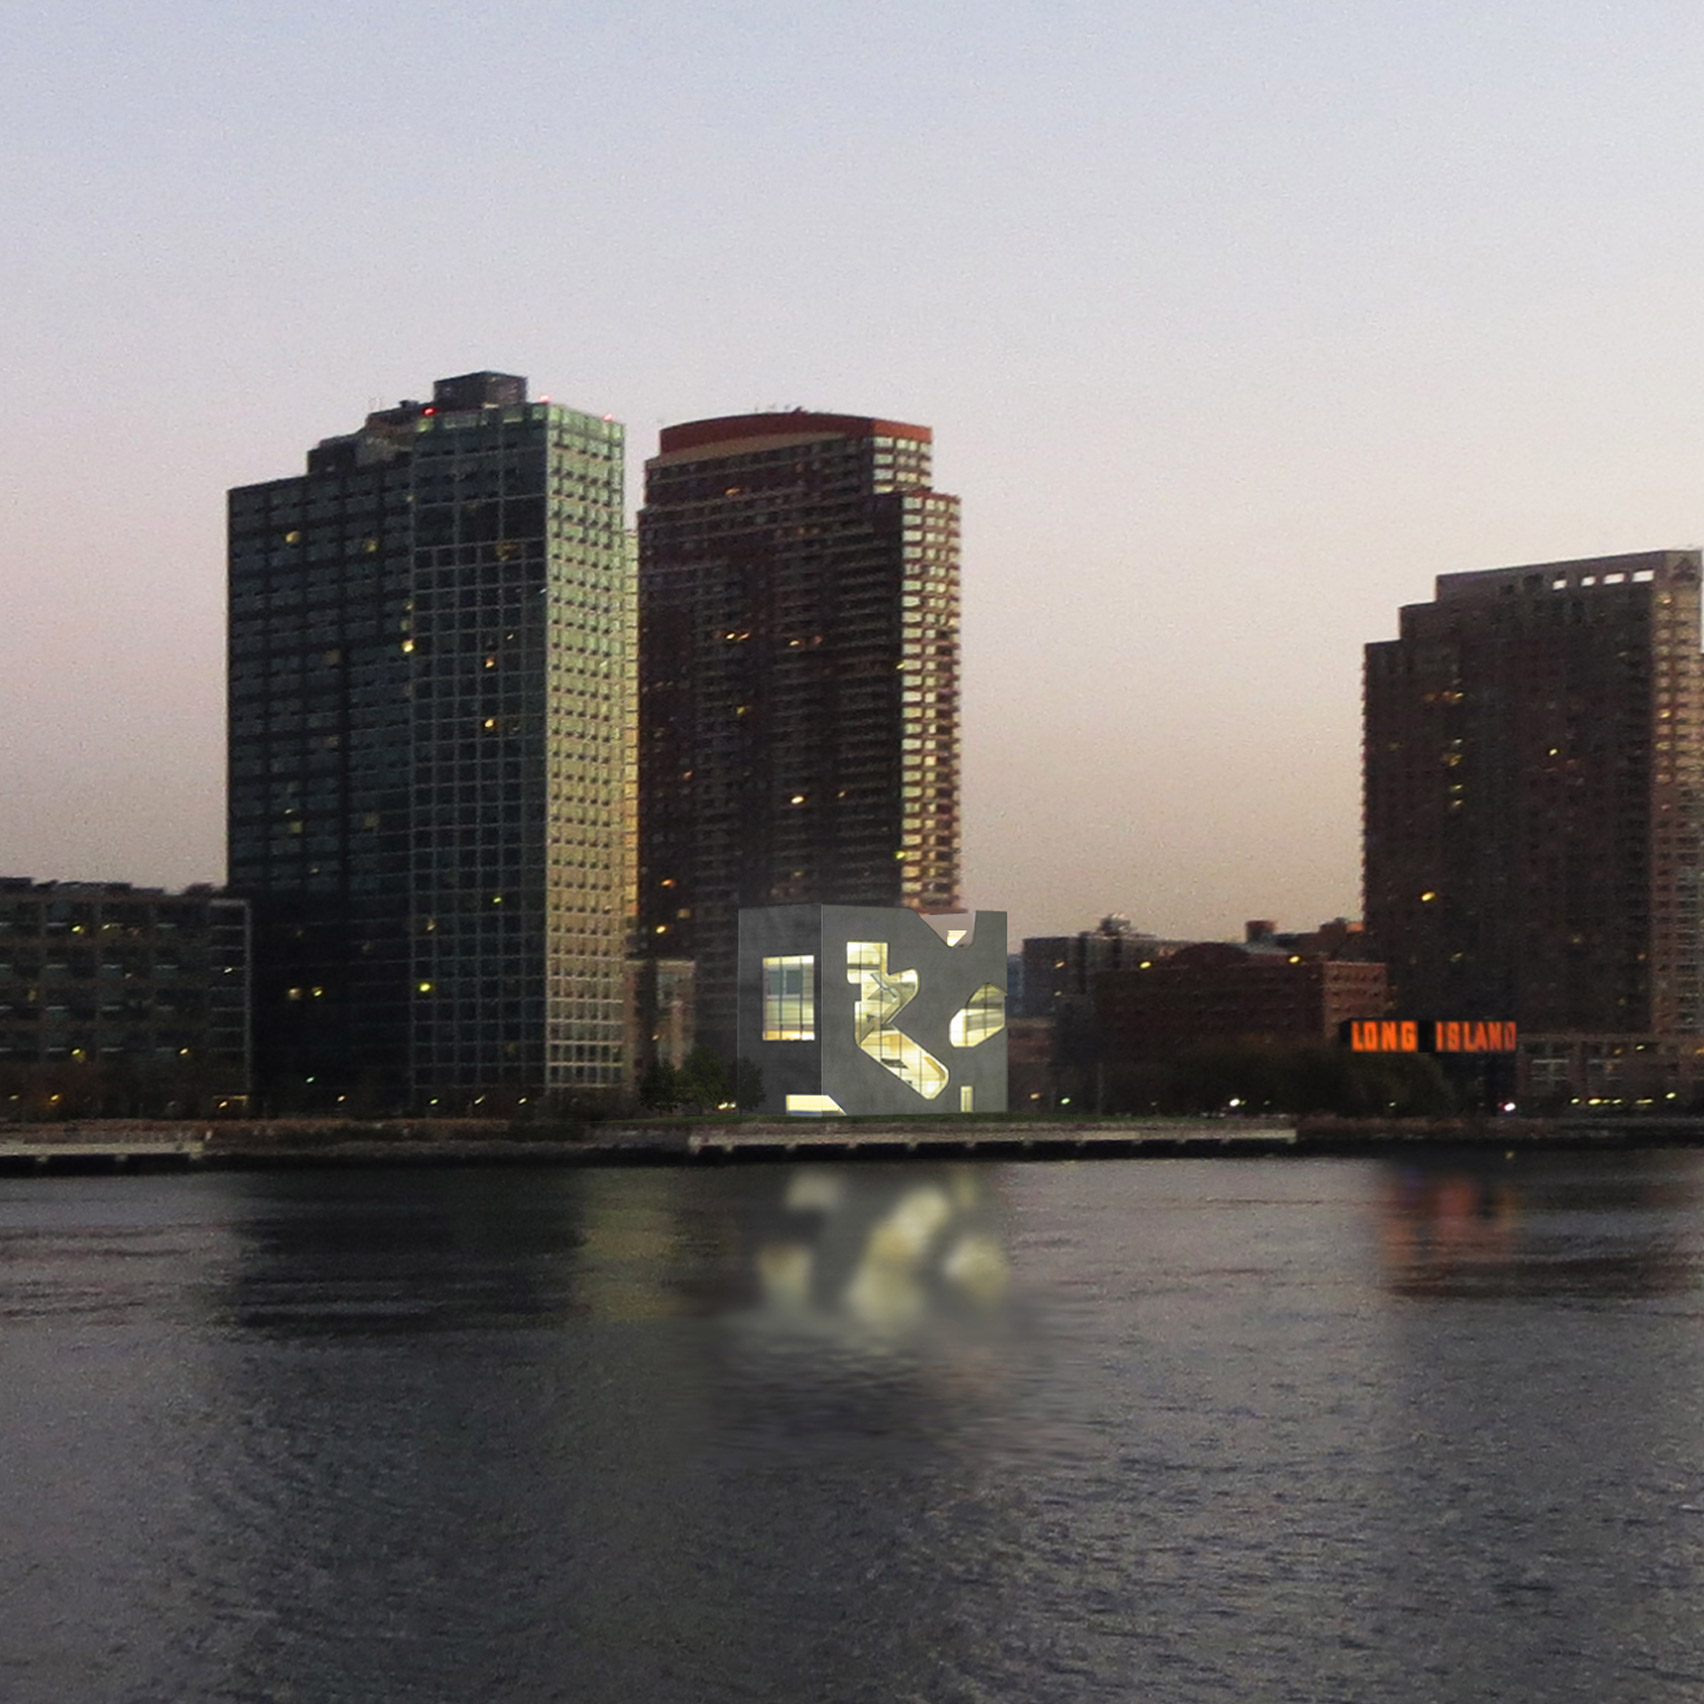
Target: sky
[1237, 321]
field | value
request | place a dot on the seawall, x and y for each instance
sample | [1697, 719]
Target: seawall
[108, 1146]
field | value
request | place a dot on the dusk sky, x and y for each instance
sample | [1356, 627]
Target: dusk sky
[1236, 322]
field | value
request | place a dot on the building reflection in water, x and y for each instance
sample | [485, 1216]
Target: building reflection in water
[675, 1422]
[888, 1252]
[766, 1433]
[1536, 1224]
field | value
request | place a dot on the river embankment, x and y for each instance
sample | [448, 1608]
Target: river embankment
[113, 1145]
[142, 1145]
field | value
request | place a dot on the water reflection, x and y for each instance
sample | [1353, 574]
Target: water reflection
[883, 1250]
[1539, 1225]
[890, 1252]
[1184, 1430]
[578, 1423]
[1539, 1451]
[371, 1254]
[876, 1319]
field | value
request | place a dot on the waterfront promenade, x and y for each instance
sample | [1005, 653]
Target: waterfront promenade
[108, 1146]
[122, 1145]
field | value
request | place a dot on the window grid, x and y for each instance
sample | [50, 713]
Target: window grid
[789, 999]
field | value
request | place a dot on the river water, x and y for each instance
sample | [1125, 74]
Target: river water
[1160, 1430]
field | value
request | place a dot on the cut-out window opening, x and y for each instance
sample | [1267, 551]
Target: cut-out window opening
[882, 996]
[789, 999]
[983, 1016]
[813, 1104]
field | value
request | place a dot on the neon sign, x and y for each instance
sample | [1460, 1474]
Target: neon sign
[1428, 1035]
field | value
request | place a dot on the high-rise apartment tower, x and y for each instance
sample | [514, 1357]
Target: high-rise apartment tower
[1533, 760]
[431, 641]
[799, 706]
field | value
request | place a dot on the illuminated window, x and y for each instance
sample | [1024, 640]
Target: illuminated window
[882, 996]
[813, 1103]
[984, 1016]
[789, 999]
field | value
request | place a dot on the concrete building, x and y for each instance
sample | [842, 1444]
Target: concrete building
[799, 708]
[122, 1000]
[431, 646]
[870, 1009]
[1532, 772]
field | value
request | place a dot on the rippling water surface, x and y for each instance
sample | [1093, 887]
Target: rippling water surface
[1168, 1430]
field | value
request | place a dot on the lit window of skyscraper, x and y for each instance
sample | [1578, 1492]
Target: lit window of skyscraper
[430, 758]
[799, 711]
[1533, 764]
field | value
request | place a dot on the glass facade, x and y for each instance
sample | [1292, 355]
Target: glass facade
[431, 788]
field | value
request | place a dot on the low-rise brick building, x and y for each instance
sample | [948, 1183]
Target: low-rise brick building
[1213, 994]
[121, 999]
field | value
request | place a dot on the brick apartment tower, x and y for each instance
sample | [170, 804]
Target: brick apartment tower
[799, 690]
[431, 636]
[1533, 758]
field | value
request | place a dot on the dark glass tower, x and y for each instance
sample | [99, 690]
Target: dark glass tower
[430, 765]
[1533, 758]
[799, 708]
